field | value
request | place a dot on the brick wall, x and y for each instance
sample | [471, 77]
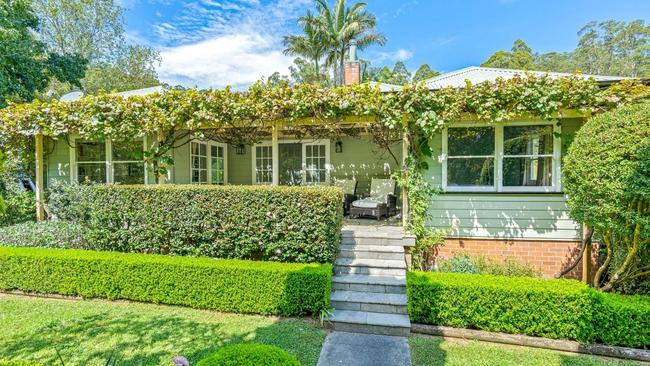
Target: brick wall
[551, 257]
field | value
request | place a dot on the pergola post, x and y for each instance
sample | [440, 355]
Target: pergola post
[275, 154]
[405, 152]
[160, 139]
[40, 208]
[586, 256]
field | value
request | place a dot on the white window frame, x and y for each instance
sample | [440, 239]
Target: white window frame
[108, 145]
[254, 162]
[208, 149]
[499, 156]
[304, 143]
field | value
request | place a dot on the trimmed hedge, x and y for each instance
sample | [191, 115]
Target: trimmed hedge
[558, 308]
[45, 234]
[225, 285]
[287, 224]
[250, 354]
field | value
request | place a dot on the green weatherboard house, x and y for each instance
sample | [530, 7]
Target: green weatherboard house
[501, 183]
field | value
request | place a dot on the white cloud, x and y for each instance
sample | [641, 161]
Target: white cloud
[217, 43]
[233, 59]
[400, 54]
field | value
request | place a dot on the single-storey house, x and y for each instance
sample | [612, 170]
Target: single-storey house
[501, 183]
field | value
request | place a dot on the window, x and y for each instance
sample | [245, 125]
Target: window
[527, 156]
[108, 161]
[315, 164]
[505, 157]
[207, 162]
[263, 164]
[470, 157]
[128, 162]
[91, 161]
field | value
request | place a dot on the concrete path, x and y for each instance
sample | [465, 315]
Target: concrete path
[359, 349]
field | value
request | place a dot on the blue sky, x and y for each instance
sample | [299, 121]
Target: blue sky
[214, 43]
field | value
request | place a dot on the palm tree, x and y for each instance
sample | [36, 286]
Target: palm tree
[340, 25]
[310, 45]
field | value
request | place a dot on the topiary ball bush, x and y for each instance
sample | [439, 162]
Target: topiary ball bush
[250, 354]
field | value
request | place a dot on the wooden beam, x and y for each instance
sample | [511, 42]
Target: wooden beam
[586, 256]
[160, 138]
[40, 208]
[405, 195]
[275, 154]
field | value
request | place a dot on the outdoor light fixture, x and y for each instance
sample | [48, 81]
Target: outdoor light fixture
[240, 149]
[338, 146]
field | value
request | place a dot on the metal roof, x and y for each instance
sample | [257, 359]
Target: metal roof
[72, 96]
[475, 75]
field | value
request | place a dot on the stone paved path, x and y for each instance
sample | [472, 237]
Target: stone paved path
[342, 348]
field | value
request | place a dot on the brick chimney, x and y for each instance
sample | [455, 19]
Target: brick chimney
[352, 67]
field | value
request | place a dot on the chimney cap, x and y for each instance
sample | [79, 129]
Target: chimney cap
[352, 53]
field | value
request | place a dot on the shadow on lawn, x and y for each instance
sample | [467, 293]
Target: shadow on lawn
[91, 339]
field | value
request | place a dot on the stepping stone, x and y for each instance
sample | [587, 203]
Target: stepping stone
[342, 348]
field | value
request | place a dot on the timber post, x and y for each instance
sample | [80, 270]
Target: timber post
[275, 151]
[40, 205]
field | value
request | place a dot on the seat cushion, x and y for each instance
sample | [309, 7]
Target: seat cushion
[370, 202]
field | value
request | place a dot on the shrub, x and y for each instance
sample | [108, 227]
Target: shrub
[17, 206]
[18, 363]
[553, 308]
[464, 263]
[606, 175]
[250, 354]
[44, 234]
[225, 285]
[289, 224]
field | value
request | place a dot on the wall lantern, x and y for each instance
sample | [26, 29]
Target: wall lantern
[338, 146]
[240, 149]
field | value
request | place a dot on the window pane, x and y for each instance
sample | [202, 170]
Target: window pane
[528, 140]
[91, 172]
[470, 172]
[466, 141]
[127, 150]
[90, 151]
[128, 173]
[528, 171]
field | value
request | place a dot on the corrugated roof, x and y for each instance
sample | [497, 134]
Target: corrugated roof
[75, 95]
[475, 74]
[383, 87]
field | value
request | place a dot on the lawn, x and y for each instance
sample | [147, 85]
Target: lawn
[87, 332]
[434, 351]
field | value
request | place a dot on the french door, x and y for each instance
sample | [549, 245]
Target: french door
[299, 163]
[208, 162]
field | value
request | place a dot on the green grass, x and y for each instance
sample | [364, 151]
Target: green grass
[434, 351]
[88, 331]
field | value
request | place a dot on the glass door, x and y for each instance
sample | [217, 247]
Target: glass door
[290, 164]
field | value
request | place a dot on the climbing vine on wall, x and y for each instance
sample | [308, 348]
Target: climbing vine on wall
[415, 111]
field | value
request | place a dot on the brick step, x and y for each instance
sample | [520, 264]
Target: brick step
[369, 301]
[370, 254]
[371, 322]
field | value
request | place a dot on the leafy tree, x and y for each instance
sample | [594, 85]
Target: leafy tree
[520, 57]
[95, 29]
[311, 45]
[25, 65]
[424, 72]
[91, 28]
[340, 25]
[304, 72]
[135, 68]
[610, 48]
[607, 180]
[401, 75]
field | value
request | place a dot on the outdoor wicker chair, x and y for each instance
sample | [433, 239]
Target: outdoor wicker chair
[381, 203]
[349, 187]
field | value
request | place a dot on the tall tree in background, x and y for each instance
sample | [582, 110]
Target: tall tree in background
[424, 72]
[95, 29]
[340, 25]
[310, 45]
[25, 65]
[401, 75]
[610, 48]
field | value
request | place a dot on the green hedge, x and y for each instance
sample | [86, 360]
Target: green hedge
[220, 284]
[45, 234]
[557, 308]
[250, 354]
[287, 224]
